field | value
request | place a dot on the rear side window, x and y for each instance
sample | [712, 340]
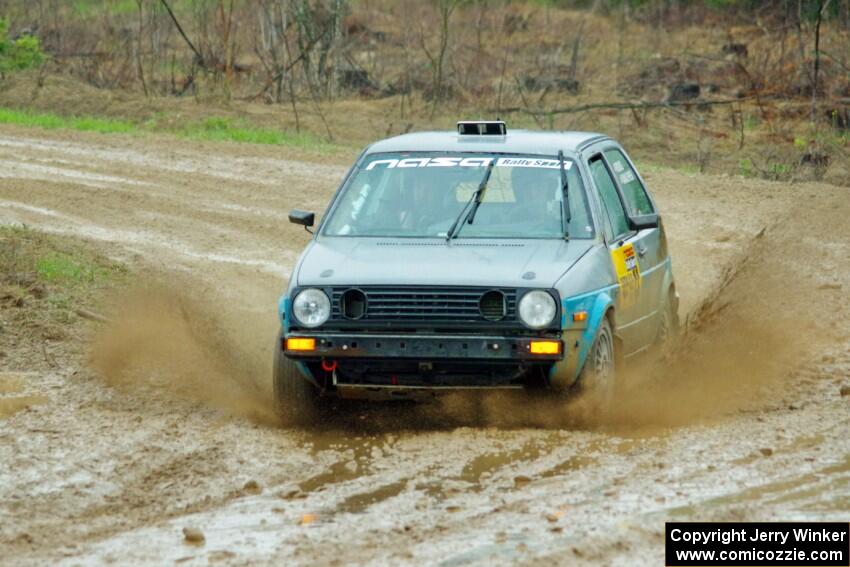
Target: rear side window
[610, 200]
[633, 191]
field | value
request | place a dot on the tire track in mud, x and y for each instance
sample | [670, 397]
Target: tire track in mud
[155, 161]
[429, 485]
[193, 208]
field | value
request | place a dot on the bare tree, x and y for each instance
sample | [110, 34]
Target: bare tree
[227, 38]
[317, 35]
[137, 48]
[445, 9]
[271, 49]
[574, 57]
[822, 6]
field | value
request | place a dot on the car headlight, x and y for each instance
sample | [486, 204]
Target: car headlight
[537, 309]
[311, 307]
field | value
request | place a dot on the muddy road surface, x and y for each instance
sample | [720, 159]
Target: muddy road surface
[165, 423]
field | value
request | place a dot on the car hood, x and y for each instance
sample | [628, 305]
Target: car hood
[375, 261]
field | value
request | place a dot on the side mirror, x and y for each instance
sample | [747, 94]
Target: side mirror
[304, 218]
[640, 222]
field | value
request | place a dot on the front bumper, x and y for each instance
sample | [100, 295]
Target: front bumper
[335, 346]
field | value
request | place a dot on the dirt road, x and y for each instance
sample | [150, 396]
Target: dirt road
[170, 428]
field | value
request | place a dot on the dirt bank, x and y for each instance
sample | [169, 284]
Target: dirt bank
[169, 429]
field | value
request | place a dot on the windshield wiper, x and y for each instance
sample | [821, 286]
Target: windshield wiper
[566, 215]
[475, 201]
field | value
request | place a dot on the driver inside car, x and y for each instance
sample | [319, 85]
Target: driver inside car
[535, 192]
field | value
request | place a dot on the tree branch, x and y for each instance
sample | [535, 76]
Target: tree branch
[183, 34]
[619, 106]
[292, 63]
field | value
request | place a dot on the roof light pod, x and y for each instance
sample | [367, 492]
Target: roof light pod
[482, 128]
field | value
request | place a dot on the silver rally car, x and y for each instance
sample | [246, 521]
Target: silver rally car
[480, 258]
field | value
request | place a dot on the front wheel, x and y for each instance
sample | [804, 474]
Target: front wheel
[597, 378]
[298, 401]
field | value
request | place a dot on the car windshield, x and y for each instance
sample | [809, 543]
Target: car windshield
[419, 195]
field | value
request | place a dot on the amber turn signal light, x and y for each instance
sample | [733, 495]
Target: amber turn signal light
[545, 347]
[580, 316]
[301, 343]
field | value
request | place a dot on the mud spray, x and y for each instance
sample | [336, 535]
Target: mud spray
[737, 351]
[161, 338]
[740, 349]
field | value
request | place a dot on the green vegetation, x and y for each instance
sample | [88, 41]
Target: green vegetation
[18, 54]
[751, 123]
[93, 8]
[745, 166]
[28, 257]
[53, 121]
[214, 128]
[771, 170]
[61, 267]
[225, 129]
[45, 280]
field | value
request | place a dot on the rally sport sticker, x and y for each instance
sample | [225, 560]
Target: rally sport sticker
[454, 161]
[628, 274]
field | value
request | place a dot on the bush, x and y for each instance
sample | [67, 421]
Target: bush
[16, 54]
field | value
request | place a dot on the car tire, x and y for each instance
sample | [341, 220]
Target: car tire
[668, 327]
[597, 380]
[298, 401]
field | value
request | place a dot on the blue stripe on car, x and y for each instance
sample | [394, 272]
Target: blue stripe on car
[282, 310]
[596, 303]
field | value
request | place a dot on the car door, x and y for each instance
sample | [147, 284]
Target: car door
[618, 237]
[651, 253]
[626, 246]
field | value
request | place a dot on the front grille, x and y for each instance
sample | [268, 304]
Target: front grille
[428, 304]
[492, 305]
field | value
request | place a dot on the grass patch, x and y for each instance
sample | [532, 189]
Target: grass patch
[217, 129]
[94, 8]
[29, 257]
[224, 129]
[45, 280]
[61, 267]
[55, 121]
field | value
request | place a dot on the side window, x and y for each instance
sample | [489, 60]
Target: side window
[633, 191]
[610, 200]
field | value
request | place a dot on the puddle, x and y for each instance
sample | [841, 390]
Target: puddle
[11, 406]
[357, 503]
[574, 463]
[338, 472]
[11, 383]
[358, 454]
[800, 443]
[488, 463]
[15, 383]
